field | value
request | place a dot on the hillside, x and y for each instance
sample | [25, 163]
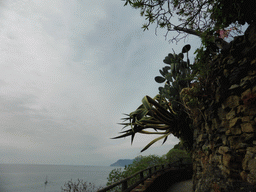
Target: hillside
[122, 162]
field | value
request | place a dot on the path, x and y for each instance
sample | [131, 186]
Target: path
[184, 186]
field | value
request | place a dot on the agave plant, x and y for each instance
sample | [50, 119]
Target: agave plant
[152, 115]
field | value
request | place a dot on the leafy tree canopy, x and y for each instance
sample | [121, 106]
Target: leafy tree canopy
[196, 17]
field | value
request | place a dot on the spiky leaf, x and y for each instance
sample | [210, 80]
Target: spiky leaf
[153, 141]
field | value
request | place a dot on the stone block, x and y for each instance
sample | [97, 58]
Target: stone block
[231, 114]
[246, 118]
[221, 113]
[199, 138]
[248, 156]
[243, 175]
[234, 87]
[252, 111]
[247, 127]
[252, 150]
[252, 165]
[233, 140]
[217, 159]
[241, 146]
[252, 72]
[224, 124]
[236, 131]
[215, 124]
[231, 102]
[241, 109]
[226, 160]
[224, 169]
[252, 169]
[223, 149]
[247, 137]
[224, 139]
[254, 89]
[245, 81]
[233, 122]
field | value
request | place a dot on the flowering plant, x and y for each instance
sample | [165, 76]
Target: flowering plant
[224, 33]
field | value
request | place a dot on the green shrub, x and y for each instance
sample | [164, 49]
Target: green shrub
[79, 186]
[140, 163]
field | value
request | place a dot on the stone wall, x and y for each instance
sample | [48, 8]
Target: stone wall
[224, 151]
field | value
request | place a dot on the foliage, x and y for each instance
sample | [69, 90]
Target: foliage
[157, 115]
[165, 113]
[79, 186]
[226, 12]
[143, 162]
[172, 111]
[114, 176]
[180, 71]
[175, 154]
[204, 16]
[140, 163]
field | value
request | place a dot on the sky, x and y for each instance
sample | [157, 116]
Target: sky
[69, 70]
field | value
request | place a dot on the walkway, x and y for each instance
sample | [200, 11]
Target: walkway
[184, 186]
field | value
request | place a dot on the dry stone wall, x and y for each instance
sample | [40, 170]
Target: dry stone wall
[224, 151]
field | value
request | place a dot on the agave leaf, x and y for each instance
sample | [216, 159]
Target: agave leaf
[159, 107]
[124, 135]
[147, 132]
[159, 79]
[142, 114]
[186, 48]
[153, 141]
[133, 135]
[157, 127]
[161, 117]
[165, 139]
[146, 103]
[149, 120]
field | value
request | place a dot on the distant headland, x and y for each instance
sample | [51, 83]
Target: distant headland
[122, 162]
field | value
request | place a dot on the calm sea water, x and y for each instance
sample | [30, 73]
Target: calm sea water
[31, 178]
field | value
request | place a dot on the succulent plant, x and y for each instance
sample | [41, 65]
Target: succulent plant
[175, 76]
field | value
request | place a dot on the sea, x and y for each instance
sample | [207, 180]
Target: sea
[32, 177]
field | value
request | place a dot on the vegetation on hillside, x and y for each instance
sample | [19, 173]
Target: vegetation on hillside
[79, 186]
[143, 162]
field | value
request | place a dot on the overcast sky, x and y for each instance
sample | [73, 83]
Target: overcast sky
[69, 70]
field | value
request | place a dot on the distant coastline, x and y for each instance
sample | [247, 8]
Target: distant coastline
[122, 163]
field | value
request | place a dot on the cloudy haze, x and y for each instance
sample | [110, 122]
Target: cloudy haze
[69, 70]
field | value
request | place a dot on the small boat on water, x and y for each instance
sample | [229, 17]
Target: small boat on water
[46, 181]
